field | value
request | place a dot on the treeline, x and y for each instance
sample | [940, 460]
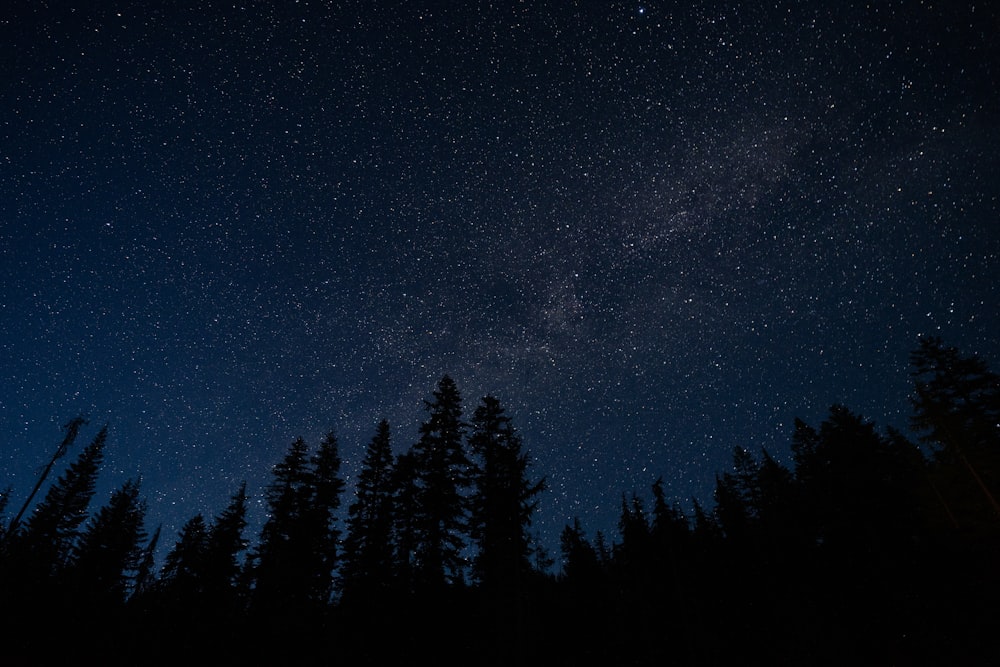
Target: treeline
[870, 548]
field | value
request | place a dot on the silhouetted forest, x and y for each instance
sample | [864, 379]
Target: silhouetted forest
[872, 548]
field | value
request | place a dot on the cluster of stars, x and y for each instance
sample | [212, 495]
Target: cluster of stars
[654, 233]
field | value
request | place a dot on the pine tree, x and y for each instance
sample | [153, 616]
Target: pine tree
[296, 555]
[106, 558]
[202, 568]
[778, 508]
[367, 557]
[581, 566]
[734, 491]
[956, 398]
[145, 577]
[45, 543]
[706, 530]
[326, 487]
[957, 410]
[72, 428]
[183, 571]
[669, 525]
[503, 500]
[636, 534]
[856, 487]
[279, 575]
[442, 477]
[404, 537]
[223, 545]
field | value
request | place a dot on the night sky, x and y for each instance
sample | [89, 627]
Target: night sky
[654, 231]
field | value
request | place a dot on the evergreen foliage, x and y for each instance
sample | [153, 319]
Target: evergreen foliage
[442, 476]
[848, 553]
[224, 544]
[105, 560]
[368, 555]
[45, 542]
[294, 562]
[503, 499]
[404, 538]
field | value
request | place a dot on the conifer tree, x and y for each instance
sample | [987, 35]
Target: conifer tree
[442, 477]
[326, 487]
[296, 555]
[145, 577]
[635, 531]
[706, 530]
[404, 535]
[581, 564]
[855, 486]
[367, 556]
[53, 528]
[503, 499]
[669, 525]
[279, 575]
[202, 568]
[956, 404]
[106, 558]
[777, 506]
[184, 565]
[223, 545]
[72, 428]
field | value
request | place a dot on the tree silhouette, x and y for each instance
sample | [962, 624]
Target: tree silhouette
[105, 560]
[202, 567]
[294, 560]
[442, 475]
[145, 576]
[321, 531]
[501, 507]
[44, 544]
[405, 492]
[224, 544]
[197, 598]
[956, 404]
[37, 554]
[72, 428]
[581, 565]
[857, 485]
[281, 578]
[503, 499]
[865, 550]
[734, 497]
[367, 554]
[184, 566]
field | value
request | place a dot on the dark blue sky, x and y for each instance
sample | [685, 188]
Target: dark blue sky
[655, 231]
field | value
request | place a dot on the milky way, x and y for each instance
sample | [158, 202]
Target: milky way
[654, 232]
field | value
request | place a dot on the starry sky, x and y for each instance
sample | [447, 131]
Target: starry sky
[655, 231]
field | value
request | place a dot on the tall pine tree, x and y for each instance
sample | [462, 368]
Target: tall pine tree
[404, 536]
[442, 477]
[322, 531]
[367, 558]
[48, 536]
[503, 500]
[183, 574]
[296, 556]
[280, 577]
[105, 561]
[224, 544]
[956, 404]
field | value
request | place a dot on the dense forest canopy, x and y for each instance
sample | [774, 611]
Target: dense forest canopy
[871, 546]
